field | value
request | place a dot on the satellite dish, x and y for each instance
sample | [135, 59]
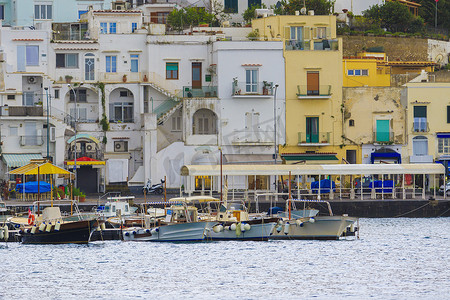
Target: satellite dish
[303, 10]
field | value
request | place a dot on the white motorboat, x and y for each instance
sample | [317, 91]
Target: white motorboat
[313, 227]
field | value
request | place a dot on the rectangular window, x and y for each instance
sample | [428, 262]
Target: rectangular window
[2, 12]
[67, 60]
[27, 56]
[112, 28]
[231, 6]
[350, 72]
[321, 32]
[171, 70]
[121, 112]
[133, 27]
[364, 72]
[251, 80]
[382, 134]
[81, 114]
[312, 83]
[11, 97]
[420, 118]
[111, 64]
[42, 12]
[448, 114]
[444, 145]
[103, 27]
[13, 130]
[357, 72]
[123, 94]
[81, 95]
[176, 123]
[56, 96]
[312, 129]
[134, 59]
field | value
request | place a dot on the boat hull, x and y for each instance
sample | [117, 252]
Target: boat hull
[323, 228]
[179, 232]
[69, 233]
[257, 232]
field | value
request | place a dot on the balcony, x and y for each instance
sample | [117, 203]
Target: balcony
[70, 32]
[22, 111]
[420, 127]
[250, 137]
[323, 44]
[382, 137]
[316, 139]
[252, 90]
[305, 92]
[199, 92]
[31, 140]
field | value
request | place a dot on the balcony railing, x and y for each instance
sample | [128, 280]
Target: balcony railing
[325, 44]
[22, 111]
[70, 31]
[31, 140]
[420, 127]
[322, 138]
[252, 137]
[305, 92]
[199, 92]
[263, 88]
[382, 137]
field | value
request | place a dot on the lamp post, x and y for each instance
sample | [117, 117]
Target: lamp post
[75, 128]
[275, 122]
[48, 128]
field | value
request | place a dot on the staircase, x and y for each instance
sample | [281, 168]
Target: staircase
[166, 109]
[66, 120]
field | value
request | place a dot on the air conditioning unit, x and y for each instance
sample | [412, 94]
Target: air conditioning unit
[52, 137]
[91, 147]
[31, 79]
[121, 146]
[119, 5]
[78, 147]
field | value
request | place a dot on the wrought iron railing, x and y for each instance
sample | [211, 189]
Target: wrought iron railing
[252, 88]
[314, 138]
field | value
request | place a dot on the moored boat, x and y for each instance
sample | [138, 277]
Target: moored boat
[313, 227]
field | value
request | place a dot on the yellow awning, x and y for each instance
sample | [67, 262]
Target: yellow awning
[23, 169]
[47, 168]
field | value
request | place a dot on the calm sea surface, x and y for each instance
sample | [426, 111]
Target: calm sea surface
[394, 259]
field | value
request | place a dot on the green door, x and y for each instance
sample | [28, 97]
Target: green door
[312, 129]
[382, 131]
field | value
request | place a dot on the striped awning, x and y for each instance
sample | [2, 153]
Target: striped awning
[19, 160]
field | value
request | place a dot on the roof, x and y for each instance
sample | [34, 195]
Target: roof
[19, 160]
[337, 169]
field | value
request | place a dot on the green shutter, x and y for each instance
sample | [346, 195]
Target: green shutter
[382, 131]
[448, 114]
[171, 66]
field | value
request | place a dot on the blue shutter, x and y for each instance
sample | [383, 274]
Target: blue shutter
[21, 59]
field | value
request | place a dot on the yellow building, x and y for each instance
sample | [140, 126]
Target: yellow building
[366, 69]
[313, 66]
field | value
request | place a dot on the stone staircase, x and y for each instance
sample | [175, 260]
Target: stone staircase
[166, 109]
[61, 118]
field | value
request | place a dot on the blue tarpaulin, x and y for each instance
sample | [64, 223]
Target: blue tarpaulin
[325, 186]
[32, 187]
[375, 155]
[387, 185]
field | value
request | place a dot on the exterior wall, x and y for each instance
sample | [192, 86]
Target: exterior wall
[242, 7]
[373, 79]
[365, 105]
[434, 97]
[438, 52]
[297, 64]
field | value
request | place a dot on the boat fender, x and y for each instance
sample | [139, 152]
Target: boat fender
[216, 229]
[220, 227]
[127, 233]
[352, 228]
[103, 226]
[247, 227]
[49, 227]
[154, 230]
[33, 229]
[299, 223]
[280, 222]
[6, 233]
[157, 229]
[57, 226]
[21, 231]
[242, 227]
[98, 228]
[238, 229]
[27, 230]
[312, 220]
[233, 227]
[31, 219]
[1, 234]
[133, 233]
[147, 230]
[42, 227]
[17, 226]
[279, 227]
[227, 227]
[286, 228]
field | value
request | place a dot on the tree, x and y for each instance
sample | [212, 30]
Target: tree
[249, 13]
[190, 16]
[393, 16]
[320, 7]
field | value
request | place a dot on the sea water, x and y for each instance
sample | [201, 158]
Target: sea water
[393, 259]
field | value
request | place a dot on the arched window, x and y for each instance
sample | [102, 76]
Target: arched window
[420, 146]
[205, 122]
[89, 66]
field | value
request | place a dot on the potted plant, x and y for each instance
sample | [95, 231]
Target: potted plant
[68, 78]
[266, 87]
[82, 197]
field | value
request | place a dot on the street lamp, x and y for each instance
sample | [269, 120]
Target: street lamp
[75, 127]
[48, 128]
